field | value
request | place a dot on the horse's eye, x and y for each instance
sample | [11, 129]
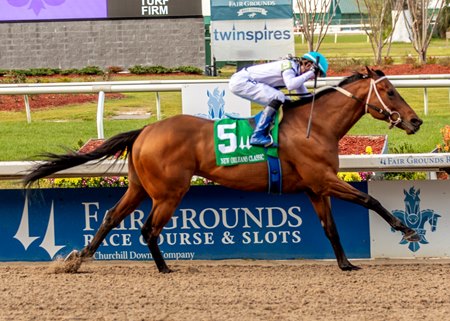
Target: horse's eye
[390, 93]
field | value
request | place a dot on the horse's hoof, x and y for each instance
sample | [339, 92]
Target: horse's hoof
[166, 270]
[72, 262]
[412, 236]
[72, 255]
[349, 267]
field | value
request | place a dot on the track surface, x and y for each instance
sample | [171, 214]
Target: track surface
[228, 290]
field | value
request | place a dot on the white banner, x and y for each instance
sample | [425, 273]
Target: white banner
[421, 205]
[240, 40]
[213, 101]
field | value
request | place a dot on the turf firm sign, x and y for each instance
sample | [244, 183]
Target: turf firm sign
[153, 8]
[251, 30]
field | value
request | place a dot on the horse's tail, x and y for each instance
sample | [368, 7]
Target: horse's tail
[116, 145]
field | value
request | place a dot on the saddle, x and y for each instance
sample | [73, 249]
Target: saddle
[232, 146]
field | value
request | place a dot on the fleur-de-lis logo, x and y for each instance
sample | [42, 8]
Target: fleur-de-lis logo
[216, 103]
[415, 218]
[35, 5]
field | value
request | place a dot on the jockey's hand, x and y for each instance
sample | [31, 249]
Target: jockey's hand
[315, 69]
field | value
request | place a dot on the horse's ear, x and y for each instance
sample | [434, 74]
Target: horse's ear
[223, 93]
[370, 72]
[208, 93]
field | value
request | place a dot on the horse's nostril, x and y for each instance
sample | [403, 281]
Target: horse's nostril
[416, 122]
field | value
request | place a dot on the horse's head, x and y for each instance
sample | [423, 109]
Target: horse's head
[385, 103]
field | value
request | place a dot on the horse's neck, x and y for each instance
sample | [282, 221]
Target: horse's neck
[342, 112]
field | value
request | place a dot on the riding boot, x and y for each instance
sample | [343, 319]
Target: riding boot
[261, 135]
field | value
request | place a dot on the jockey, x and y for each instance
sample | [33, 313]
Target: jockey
[262, 83]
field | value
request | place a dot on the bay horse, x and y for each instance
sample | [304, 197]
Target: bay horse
[163, 157]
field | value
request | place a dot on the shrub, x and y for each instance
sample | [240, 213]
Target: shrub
[445, 61]
[410, 60]
[340, 65]
[91, 70]
[432, 60]
[43, 72]
[388, 61]
[189, 70]
[66, 72]
[114, 69]
[139, 69]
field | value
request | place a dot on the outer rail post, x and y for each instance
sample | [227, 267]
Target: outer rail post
[27, 108]
[100, 111]
[425, 101]
[158, 106]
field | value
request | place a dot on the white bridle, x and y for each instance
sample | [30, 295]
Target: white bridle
[373, 88]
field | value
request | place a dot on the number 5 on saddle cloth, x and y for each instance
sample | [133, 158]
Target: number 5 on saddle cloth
[232, 147]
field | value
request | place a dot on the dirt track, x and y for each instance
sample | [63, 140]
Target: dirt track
[227, 290]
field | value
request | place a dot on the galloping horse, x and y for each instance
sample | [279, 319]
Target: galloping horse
[163, 157]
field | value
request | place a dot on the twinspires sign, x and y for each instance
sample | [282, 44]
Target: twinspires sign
[212, 222]
[251, 30]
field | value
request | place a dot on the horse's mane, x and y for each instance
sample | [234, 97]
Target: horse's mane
[347, 80]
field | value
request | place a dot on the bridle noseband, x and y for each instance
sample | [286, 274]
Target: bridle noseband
[373, 88]
[385, 110]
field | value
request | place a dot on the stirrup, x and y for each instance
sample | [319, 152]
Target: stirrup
[270, 143]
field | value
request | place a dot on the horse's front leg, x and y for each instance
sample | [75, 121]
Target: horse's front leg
[345, 191]
[322, 206]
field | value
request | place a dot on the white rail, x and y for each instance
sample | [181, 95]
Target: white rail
[431, 162]
[157, 86]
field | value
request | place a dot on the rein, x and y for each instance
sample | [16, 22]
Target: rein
[386, 111]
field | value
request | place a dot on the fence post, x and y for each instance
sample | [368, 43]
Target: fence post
[425, 101]
[158, 106]
[27, 108]
[100, 110]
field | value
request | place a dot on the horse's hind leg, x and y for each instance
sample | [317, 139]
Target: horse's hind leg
[162, 211]
[322, 206]
[134, 195]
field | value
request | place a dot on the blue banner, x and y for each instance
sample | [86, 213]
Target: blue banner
[251, 10]
[212, 222]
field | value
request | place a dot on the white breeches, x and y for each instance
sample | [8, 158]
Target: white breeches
[242, 85]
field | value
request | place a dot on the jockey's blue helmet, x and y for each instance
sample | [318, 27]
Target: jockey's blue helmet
[313, 56]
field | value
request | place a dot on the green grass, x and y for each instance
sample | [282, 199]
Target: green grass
[429, 135]
[53, 129]
[356, 46]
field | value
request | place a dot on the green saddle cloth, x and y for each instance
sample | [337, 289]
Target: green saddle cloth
[232, 142]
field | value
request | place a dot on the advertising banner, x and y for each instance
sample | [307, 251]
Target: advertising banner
[251, 30]
[153, 8]
[213, 101]
[421, 205]
[11, 10]
[250, 10]
[19, 10]
[212, 222]
[252, 39]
